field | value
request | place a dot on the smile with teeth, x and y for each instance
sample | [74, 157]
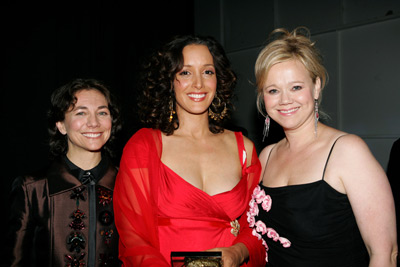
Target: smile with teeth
[92, 135]
[288, 110]
[197, 97]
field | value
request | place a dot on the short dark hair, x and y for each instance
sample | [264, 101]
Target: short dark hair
[158, 74]
[63, 99]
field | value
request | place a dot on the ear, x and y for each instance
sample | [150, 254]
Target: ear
[317, 88]
[61, 127]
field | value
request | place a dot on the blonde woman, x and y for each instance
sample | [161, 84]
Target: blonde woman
[323, 199]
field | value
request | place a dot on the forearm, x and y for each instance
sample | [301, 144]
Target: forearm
[384, 259]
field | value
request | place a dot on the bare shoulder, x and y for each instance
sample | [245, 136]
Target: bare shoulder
[264, 154]
[248, 143]
[356, 160]
[351, 145]
[227, 136]
[231, 136]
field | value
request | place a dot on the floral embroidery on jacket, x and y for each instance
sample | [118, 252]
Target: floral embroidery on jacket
[259, 227]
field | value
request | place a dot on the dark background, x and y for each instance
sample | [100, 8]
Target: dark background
[45, 45]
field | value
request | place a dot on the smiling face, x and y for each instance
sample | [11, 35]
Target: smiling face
[289, 94]
[87, 124]
[196, 83]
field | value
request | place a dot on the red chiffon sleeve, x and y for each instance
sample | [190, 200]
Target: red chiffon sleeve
[135, 201]
[254, 246]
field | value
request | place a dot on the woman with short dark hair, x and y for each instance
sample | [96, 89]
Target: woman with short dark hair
[63, 214]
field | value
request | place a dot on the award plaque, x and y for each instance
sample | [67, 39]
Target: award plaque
[196, 259]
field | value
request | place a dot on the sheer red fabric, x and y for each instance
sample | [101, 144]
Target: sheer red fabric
[156, 211]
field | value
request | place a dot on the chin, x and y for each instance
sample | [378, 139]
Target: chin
[95, 150]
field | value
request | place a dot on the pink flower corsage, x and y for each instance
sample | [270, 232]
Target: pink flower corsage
[259, 227]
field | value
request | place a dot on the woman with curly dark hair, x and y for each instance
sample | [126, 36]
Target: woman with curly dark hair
[63, 214]
[157, 102]
[185, 181]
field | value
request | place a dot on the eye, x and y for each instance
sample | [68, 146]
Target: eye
[297, 87]
[184, 73]
[209, 72]
[80, 113]
[271, 91]
[103, 113]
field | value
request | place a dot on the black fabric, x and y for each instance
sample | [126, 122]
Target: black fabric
[319, 223]
[95, 173]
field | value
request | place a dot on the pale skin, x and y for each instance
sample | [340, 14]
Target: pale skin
[208, 161]
[289, 94]
[88, 127]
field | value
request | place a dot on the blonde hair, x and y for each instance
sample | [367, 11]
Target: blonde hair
[287, 46]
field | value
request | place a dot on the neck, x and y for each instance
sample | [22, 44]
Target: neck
[85, 161]
[299, 138]
[193, 126]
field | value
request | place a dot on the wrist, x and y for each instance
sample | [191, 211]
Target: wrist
[241, 251]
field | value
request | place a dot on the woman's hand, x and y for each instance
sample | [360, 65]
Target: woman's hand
[233, 256]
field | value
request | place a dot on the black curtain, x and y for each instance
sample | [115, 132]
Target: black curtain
[45, 45]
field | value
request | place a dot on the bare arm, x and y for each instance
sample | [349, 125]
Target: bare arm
[370, 196]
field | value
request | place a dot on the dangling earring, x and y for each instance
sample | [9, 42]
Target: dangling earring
[171, 110]
[266, 127]
[316, 116]
[217, 116]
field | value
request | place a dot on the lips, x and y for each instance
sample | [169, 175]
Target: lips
[197, 97]
[288, 111]
[91, 135]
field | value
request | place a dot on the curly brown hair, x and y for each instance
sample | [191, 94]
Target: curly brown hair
[63, 99]
[158, 74]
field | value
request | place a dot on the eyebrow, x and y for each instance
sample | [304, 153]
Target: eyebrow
[205, 65]
[84, 107]
[271, 85]
[274, 85]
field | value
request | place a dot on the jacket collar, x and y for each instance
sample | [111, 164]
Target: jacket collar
[63, 175]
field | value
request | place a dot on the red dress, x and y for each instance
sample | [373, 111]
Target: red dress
[156, 211]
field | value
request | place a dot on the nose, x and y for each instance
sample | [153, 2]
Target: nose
[92, 121]
[285, 98]
[198, 81]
